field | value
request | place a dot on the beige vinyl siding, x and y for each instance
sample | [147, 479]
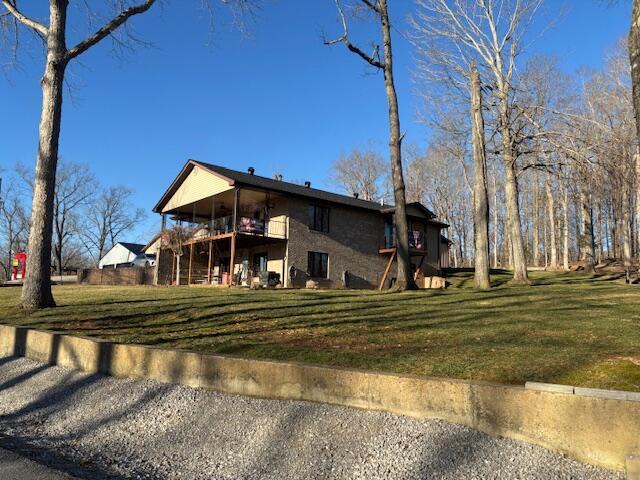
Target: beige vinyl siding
[199, 184]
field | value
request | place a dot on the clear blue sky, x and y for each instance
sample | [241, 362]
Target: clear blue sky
[278, 100]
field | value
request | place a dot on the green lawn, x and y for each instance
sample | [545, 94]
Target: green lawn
[566, 328]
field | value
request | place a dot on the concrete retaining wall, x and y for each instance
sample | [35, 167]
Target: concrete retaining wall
[599, 429]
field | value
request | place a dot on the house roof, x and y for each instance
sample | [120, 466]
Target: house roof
[237, 178]
[135, 248]
[413, 208]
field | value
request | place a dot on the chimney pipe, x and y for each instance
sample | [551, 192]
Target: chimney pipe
[307, 184]
[251, 170]
[356, 194]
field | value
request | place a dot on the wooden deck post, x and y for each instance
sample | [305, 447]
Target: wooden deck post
[190, 262]
[232, 259]
[209, 264]
[236, 200]
[386, 271]
[417, 272]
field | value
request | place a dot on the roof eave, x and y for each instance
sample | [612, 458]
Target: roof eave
[180, 178]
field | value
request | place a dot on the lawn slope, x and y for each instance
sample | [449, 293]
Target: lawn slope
[565, 328]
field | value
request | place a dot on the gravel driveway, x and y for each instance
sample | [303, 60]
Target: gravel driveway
[99, 427]
[17, 467]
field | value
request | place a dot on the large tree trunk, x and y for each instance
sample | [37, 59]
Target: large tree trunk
[551, 213]
[513, 221]
[535, 220]
[634, 57]
[495, 223]
[565, 227]
[57, 250]
[626, 232]
[480, 197]
[36, 292]
[599, 241]
[586, 238]
[511, 196]
[58, 235]
[637, 192]
[404, 276]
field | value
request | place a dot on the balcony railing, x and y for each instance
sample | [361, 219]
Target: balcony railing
[266, 228]
[246, 225]
[416, 240]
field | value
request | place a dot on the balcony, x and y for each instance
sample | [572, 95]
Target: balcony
[223, 226]
[266, 228]
[416, 240]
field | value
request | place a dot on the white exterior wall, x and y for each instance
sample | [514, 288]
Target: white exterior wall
[118, 254]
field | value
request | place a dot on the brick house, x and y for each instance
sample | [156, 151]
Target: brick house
[245, 228]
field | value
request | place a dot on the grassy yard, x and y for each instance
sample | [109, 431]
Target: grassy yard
[566, 328]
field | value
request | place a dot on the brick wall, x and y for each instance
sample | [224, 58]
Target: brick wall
[352, 244]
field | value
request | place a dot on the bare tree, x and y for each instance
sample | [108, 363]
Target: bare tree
[379, 9]
[480, 200]
[174, 239]
[74, 187]
[491, 34]
[36, 292]
[108, 216]
[438, 182]
[634, 58]
[14, 225]
[565, 225]
[544, 90]
[361, 172]
[607, 143]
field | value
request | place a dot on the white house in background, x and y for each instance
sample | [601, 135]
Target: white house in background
[122, 253]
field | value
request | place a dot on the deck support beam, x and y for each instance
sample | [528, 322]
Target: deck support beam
[232, 259]
[209, 264]
[417, 272]
[190, 262]
[386, 270]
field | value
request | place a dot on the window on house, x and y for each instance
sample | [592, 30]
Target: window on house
[389, 234]
[318, 264]
[319, 218]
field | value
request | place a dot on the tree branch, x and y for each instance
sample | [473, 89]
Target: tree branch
[108, 29]
[10, 5]
[371, 5]
[372, 59]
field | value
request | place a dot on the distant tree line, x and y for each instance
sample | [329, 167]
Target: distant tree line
[88, 218]
[557, 152]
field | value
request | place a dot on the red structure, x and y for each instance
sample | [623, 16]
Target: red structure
[19, 264]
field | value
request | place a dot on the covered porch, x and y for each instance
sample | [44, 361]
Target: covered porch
[230, 259]
[223, 234]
